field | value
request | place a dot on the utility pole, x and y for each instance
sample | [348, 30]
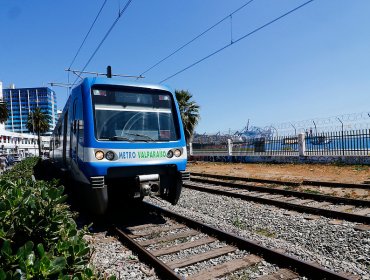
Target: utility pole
[342, 144]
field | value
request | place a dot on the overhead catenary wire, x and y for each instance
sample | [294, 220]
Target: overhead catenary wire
[236, 41]
[87, 34]
[196, 37]
[121, 12]
[77, 72]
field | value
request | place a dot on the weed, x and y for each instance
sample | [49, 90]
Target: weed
[182, 240]
[132, 258]
[154, 234]
[238, 223]
[265, 232]
[360, 168]
[289, 188]
[311, 191]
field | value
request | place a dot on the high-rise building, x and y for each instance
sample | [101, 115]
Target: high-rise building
[22, 101]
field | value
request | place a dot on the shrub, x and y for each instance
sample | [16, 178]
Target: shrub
[38, 235]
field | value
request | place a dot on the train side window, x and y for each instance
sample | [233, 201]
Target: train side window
[74, 116]
[80, 122]
[57, 137]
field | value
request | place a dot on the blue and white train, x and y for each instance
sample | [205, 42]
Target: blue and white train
[116, 139]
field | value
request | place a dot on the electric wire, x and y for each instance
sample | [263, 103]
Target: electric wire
[88, 33]
[196, 37]
[105, 37]
[238, 40]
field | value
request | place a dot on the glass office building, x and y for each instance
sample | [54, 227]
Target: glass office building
[22, 101]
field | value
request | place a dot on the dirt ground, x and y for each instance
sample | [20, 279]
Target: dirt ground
[287, 172]
[358, 174]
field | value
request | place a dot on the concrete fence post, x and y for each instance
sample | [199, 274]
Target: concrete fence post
[191, 149]
[301, 144]
[229, 147]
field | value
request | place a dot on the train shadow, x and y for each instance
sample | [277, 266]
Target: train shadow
[122, 213]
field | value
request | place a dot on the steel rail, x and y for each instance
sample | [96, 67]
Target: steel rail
[247, 179]
[336, 184]
[283, 260]
[286, 205]
[318, 197]
[286, 183]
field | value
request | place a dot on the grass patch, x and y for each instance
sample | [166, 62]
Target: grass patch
[289, 188]
[238, 223]
[265, 232]
[132, 258]
[311, 191]
[360, 168]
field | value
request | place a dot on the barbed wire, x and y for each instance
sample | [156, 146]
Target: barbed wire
[320, 122]
[345, 122]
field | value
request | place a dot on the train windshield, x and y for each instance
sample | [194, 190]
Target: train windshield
[129, 115]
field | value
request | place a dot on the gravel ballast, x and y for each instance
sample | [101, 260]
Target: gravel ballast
[111, 258]
[338, 246]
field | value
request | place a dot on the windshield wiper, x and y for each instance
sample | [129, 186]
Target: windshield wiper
[120, 138]
[117, 138]
[140, 135]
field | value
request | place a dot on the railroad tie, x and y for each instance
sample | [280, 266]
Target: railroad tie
[280, 274]
[150, 231]
[201, 257]
[363, 212]
[182, 246]
[258, 194]
[344, 208]
[301, 201]
[272, 196]
[142, 227]
[286, 199]
[322, 204]
[169, 237]
[226, 268]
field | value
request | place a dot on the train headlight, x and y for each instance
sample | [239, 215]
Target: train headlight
[99, 155]
[177, 153]
[109, 155]
[170, 154]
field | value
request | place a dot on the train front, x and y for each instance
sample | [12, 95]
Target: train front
[135, 143]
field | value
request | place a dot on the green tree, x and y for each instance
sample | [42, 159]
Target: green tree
[4, 113]
[38, 122]
[189, 110]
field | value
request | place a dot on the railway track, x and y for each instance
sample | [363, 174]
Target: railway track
[177, 244]
[354, 210]
[285, 183]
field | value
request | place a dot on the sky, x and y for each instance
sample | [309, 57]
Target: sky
[313, 63]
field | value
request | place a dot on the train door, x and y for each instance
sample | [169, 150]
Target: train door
[74, 132]
[65, 136]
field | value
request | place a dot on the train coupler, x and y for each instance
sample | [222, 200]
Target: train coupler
[149, 184]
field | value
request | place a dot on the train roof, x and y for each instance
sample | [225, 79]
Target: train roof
[120, 82]
[90, 81]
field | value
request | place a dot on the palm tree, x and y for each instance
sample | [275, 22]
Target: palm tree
[189, 110]
[4, 112]
[38, 122]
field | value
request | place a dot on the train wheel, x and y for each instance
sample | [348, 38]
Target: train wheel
[174, 191]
